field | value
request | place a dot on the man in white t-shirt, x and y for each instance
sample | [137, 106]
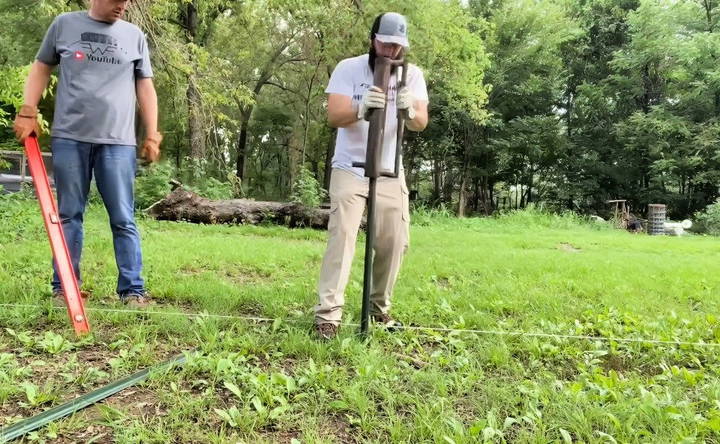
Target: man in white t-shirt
[351, 95]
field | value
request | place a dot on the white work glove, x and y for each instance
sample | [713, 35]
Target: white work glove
[406, 101]
[374, 98]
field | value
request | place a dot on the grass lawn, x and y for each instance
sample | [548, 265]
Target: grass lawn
[271, 382]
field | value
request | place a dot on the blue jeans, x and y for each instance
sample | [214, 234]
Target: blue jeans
[114, 166]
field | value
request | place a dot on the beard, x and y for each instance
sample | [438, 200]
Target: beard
[373, 56]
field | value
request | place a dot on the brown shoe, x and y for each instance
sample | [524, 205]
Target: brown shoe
[58, 297]
[136, 300]
[384, 320]
[326, 331]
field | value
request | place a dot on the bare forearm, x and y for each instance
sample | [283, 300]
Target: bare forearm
[36, 82]
[147, 99]
[421, 118]
[341, 112]
[341, 119]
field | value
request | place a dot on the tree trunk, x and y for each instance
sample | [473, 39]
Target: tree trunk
[410, 170]
[462, 198]
[184, 205]
[329, 153]
[448, 182]
[437, 190]
[464, 180]
[196, 128]
[295, 155]
[241, 155]
[196, 133]
[491, 204]
[475, 201]
[708, 6]
[530, 187]
[485, 195]
[279, 179]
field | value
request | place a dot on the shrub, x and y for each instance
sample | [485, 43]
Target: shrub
[423, 215]
[307, 190]
[537, 216]
[21, 217]
[708, 220]
[212, 188]
[152, 184]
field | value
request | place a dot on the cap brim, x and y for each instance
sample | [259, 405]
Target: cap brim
[402, 41]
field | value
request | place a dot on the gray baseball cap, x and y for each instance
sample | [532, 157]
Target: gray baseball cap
[393, 29]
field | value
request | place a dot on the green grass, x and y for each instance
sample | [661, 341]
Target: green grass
[270, 382]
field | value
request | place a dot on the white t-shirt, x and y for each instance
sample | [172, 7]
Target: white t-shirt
[352, 77]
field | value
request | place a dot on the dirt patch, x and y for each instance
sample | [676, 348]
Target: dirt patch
[95, 355]
[96, 433]
[622, 365]
[338, 427]
[245, 275]
[51, 377]
[137, 401]
[505, 312]
[192, 270]
[566, 370]
[236, 274]
[49, 374]
[247, 308]
[112, 301]
[568, 248]
[614, 362]
[442, 282]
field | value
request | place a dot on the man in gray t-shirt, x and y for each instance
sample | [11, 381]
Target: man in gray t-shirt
[105, 73]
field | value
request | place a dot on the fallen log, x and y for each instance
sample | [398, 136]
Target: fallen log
[184, 205]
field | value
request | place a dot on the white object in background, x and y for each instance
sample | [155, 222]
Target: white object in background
[677, 228]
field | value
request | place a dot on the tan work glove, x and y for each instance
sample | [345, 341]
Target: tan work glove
[406, 102]
[26, 123]
[150, 150]
[374, 98]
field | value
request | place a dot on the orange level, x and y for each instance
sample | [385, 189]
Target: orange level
[53, 226]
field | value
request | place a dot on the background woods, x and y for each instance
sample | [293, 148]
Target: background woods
[565, 104]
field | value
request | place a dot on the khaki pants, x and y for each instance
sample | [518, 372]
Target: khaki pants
[348, 195]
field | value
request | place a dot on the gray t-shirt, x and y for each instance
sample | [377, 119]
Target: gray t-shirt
[99, 62]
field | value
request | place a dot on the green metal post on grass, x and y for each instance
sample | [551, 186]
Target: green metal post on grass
[28, 425]
[372, 167]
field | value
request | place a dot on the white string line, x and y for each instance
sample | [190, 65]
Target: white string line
[405, 327]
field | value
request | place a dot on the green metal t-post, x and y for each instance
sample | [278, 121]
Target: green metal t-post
[372, 164]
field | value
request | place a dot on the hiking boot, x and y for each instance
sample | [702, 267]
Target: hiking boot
[325, 331]
[58, 297]
[136, 300]
[384, 320]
